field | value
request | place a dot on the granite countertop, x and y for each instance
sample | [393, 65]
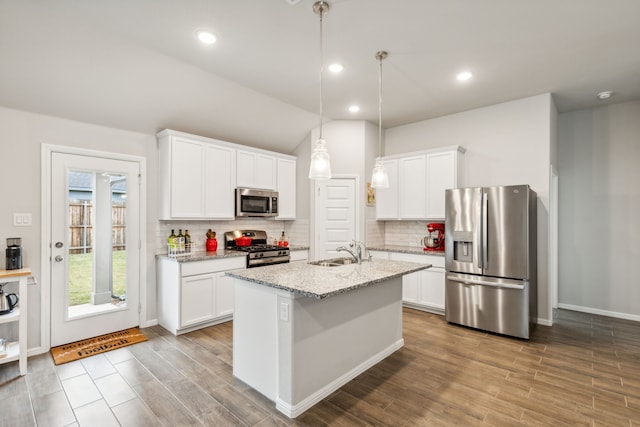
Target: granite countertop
[319, 282]
[220, 253]
[405, 250]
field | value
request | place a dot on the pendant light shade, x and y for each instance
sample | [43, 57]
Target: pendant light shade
[379, 177]
[320, 166]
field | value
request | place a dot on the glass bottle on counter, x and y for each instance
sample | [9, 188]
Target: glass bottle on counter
[172, 241]
[187, 241]
[180, 241]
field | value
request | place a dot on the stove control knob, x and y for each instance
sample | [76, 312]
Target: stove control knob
[260, 254]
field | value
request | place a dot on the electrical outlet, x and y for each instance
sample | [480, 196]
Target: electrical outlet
[22, 219]
[284, 311]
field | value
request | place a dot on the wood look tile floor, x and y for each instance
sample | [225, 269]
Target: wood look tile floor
[585, 370]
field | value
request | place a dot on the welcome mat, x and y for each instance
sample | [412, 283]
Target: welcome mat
[92, 346]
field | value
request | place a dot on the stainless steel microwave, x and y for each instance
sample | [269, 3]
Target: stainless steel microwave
[251, 202]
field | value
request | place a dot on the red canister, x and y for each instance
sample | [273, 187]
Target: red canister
[212, 245]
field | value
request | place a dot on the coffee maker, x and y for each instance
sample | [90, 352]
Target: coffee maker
[14, 253]
[434, 240]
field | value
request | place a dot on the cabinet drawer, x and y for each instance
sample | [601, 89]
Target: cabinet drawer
[212, 266]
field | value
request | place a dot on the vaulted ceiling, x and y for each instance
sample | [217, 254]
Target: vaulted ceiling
[136, 64]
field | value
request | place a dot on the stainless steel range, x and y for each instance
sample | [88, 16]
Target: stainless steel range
[254, 242]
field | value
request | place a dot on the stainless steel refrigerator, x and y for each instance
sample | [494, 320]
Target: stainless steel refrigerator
[490, 258]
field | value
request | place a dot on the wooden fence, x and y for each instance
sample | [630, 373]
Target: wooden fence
[81, 230]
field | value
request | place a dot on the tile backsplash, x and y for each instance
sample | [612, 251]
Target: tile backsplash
[297, 232]
[405, 233]
[378, 233]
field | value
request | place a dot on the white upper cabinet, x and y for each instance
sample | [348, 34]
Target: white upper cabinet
[444, 170]
[411, 187]
[387, 198]
[197, 178]
[219, 193]
[286, 180]
[417, 184]
[256, 170]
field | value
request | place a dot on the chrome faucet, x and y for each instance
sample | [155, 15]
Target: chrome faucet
[358, 250]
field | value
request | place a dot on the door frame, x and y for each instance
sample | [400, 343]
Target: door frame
[45, 226]
[314, 216]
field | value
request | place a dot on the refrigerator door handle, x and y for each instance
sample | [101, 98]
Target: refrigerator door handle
[478, 246]
[485, 231]
[474, 281]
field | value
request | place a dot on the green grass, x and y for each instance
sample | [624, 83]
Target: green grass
[81, 276]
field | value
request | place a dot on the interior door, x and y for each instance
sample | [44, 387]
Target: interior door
[336, 215]
[95, 246]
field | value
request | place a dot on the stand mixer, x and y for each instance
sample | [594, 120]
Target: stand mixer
[434, 240]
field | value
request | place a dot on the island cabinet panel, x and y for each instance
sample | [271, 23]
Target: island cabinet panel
[423, 290]
[297, 350]
[195, 294]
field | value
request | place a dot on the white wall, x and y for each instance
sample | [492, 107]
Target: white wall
[599, 228]
[351, 149]
[507, 144]
[22, 136]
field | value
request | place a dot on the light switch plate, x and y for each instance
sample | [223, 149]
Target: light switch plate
[22, 219]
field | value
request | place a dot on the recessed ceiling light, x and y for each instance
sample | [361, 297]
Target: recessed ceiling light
[336, 68]
[605, 95]
[354, 108]
[206, 37]
[463, 76]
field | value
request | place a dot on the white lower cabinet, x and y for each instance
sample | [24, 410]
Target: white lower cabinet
[299, 256]
[423, 290]
[195, 294]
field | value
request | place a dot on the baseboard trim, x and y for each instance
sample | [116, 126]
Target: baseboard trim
[292, 411]
[149, 323]
[600, 312]
[544, 322]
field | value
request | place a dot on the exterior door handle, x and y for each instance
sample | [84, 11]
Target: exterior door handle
[58, 258]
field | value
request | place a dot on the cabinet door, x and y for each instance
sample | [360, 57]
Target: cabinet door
[197, 295]
[187, 179]
[265, 172]
[224, 295]
[286, 189]
[432, 284]
[219, 182]
[441, 175]
[412, 187]
[387, 198]
[410, 287]
[255, 170]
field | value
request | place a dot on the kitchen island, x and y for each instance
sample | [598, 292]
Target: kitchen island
[301, 331]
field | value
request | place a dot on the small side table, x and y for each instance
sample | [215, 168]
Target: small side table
[17, 350]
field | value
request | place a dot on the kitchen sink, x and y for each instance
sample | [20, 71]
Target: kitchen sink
[335, 262]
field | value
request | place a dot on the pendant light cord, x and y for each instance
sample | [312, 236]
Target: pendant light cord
[380, 56]
[380, 107]
[321, 13]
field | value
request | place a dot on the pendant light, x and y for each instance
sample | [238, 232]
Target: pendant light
[320, 167]
[379, 177]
